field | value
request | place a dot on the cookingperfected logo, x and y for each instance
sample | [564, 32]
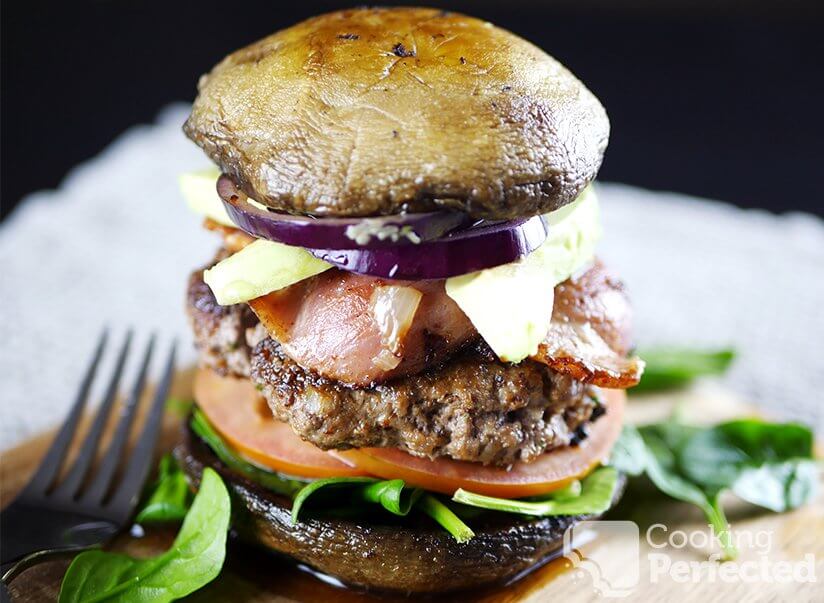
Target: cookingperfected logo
[617, 557]
[609, 551]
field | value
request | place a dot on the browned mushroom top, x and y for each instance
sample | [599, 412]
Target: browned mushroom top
[376, 111]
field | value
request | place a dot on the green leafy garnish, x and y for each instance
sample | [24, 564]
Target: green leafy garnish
[669, 368]
[169, 497]
[332, 482]
[446, 518]
[193, 561]
[660, 466]
[391, 494]
[597, 492]
[779, 486]
[629, 454]
[767, 464]
[268, 479]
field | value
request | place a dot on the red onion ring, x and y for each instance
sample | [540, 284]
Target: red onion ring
[331, 233]
[462, 252]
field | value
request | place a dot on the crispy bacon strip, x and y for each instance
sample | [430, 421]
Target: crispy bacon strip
[234, 239]
[588, 338]
[576, 349]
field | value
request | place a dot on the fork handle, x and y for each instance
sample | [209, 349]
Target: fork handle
[28, 529]
[9, 571]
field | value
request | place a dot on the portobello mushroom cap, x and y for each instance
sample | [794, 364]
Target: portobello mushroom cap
[377, 111]
[391, 557]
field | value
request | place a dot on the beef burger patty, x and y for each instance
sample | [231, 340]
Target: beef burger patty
[472, 407]
[224, 335]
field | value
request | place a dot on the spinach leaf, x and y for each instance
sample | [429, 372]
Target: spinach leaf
[194, 559]
[660, 467]
[673, 432]
[169, 497]
[597, 490]
[669, 368]
[268, 479]
[313, 487]
[650, 450]
[391, 494]
[446, 518]
[767, 464]
[629, 455]
[779, 486]
[767, 441]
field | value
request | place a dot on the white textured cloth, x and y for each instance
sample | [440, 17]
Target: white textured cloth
[115, 244]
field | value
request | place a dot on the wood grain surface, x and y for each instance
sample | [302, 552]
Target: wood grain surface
[767, 540]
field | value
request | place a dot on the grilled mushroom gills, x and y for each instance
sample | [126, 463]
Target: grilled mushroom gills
[385, 556]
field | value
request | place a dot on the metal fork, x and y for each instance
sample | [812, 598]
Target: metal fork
[52, 516]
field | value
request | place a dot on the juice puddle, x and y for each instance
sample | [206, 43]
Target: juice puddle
[252, 576]
[522, 587]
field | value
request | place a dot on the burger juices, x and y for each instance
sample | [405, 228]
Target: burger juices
[411, 360]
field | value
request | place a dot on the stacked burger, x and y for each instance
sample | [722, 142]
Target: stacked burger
[406, 312]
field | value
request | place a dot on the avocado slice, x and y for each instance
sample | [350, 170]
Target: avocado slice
[199, 191]
[260, 268]
[511, 305]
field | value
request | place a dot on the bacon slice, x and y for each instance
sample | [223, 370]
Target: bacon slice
[234, 239]
[326, 323]
[588, 337]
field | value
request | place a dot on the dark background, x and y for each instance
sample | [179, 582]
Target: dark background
[719, 99]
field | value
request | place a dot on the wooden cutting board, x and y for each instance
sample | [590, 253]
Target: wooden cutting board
[766, 540]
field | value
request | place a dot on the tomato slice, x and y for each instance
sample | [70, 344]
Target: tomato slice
[240, 415]
[549, 472]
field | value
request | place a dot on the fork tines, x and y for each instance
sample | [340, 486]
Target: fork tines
[94, 492]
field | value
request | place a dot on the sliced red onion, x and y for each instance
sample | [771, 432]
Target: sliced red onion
[484, 246]
[336, 233]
